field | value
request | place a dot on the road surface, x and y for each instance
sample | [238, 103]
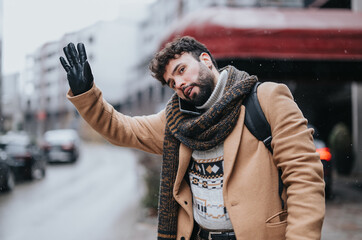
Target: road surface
[97, 198]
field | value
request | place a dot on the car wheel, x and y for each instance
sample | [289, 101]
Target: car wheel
[37, 172]
[74, 158]
[328, 192]
[9, 183]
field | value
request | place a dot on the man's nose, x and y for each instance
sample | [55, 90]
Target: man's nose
[179, 83]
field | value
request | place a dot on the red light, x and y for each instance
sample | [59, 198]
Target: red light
[324, 153]
[46, 146]
[26, 156]
[68, 146]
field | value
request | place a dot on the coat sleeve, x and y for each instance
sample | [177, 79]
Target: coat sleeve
[145, 132]
[295, 153]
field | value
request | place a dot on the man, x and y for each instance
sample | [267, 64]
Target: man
[218, 181]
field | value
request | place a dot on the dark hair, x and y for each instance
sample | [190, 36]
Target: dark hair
[173, 50]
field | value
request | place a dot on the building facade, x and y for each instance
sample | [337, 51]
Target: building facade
[11, 108]
[1, 53]
[111, 53]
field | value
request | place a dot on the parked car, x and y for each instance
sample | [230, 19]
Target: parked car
[325, 157]
[62, 145]
[25, 156]
[7, 178]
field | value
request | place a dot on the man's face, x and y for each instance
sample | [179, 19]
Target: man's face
[192, 80]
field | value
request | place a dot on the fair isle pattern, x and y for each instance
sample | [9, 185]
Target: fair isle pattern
[209, 160]
[207, 174]
[206, 181]
[203, 207]
[198, 133]
[206, 168]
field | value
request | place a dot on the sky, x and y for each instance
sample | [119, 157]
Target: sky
[28, 24]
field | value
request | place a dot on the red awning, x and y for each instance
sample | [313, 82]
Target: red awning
[299, 34]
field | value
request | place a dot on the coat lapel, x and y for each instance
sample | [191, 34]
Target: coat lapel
[231, 145]
[184, 161]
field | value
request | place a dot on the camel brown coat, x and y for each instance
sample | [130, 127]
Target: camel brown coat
[250, 173]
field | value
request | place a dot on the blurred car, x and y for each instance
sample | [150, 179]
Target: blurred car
[7, 178]
[62, 145]
[25, 158]
[325, 157]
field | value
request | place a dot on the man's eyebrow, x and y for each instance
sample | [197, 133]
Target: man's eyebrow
[174, 70]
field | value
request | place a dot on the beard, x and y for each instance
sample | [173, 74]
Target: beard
[206, 86]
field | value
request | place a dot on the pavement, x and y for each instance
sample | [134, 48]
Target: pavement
[145, 227]
[343, 218]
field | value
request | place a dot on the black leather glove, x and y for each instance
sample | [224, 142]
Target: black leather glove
[79, 73]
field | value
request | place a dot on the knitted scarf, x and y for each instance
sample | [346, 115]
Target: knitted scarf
[198, 133]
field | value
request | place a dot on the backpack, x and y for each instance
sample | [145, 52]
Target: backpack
[258, 125]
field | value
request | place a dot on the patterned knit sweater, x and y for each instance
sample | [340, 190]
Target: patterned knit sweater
[206, 173]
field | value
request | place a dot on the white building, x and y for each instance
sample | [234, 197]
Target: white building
[11, 111]
[111, 52]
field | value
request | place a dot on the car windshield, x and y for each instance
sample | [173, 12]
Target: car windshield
[14, 143]
[16, 148]
[60, 135]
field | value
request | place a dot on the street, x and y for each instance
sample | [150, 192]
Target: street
[344, 211]
[98, 198]
[95, 198]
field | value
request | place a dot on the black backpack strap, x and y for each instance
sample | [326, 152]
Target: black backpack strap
[258, 125]
[255, 120]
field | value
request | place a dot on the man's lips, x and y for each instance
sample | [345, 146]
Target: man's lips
[187, 91]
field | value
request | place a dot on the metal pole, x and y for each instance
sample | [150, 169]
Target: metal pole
[356, 5]
[357, 110]
[1, 73]
[357, 126]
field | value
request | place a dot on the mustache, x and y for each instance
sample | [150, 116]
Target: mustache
[190, 85]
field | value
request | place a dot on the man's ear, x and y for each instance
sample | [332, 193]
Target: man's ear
[206, 59]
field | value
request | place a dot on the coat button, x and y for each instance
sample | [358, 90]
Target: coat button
[185, 202]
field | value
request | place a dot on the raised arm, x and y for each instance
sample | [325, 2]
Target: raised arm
[145, 133]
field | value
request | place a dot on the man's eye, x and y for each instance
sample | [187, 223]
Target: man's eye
[182, 70]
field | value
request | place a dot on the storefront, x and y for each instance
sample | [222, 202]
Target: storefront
[317, 53]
